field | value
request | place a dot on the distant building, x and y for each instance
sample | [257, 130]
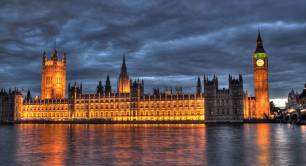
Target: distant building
[302, 98]
[293, 99]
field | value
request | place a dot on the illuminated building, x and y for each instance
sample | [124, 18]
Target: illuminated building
[260, 66]
[124, 81]
[249, 106]
[53, 82]
[130, 102]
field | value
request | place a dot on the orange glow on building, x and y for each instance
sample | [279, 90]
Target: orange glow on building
[117, 108]
[53, 83]
[130, 103]
[263, 144]
[124, 81]
[260, 66]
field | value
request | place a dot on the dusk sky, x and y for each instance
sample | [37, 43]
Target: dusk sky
[166, 43]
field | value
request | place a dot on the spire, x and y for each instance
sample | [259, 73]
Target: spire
[199, 86]
[107, 80]
[259, 44]
[54, 54]
[199, 82]
[123, 81]
[100, 88]
[64, 57]
[108, 87]
[29, 97]
[123, 67]
[44, 57]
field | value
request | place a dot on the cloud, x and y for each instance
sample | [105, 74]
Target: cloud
[166, 42]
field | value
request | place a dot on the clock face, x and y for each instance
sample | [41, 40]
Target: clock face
[260, 62]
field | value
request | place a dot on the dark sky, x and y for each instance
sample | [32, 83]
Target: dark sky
[166, 43]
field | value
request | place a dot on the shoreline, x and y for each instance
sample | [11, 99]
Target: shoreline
[146, 122]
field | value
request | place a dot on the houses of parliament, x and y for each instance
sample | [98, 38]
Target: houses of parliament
[128, 102]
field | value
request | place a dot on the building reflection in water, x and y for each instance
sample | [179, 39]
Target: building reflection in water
[89, 144]
[154, 144]
[41, 144]
[263, 144]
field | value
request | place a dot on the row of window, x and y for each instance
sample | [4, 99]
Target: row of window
[109, 107]
[108, 114]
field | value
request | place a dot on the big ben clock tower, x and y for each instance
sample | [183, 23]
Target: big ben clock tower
[260, 65]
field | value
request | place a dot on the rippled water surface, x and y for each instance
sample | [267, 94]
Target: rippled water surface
[99, 144]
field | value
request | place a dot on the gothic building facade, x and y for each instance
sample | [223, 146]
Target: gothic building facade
[53, 82]
[297, 100]
[223, 104]
[130, 102]
[261, 87]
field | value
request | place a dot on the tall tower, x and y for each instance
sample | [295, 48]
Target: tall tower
[124, 81]
[260, 66]
[210, 97]
[53, 82]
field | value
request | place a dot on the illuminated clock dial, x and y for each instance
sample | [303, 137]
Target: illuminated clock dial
[260, 62]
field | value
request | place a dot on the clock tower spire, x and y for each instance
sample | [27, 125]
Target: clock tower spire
[260, 66]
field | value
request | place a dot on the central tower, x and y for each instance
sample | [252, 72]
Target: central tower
[53, 82]
[123, 81]
[260, 66]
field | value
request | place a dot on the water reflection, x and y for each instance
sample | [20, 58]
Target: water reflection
[263, 144]
[41, 144]
[60, 144]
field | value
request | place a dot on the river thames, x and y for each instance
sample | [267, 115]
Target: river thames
[115, 144]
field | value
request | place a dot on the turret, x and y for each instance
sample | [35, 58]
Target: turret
[44, 59]
[64, 58]
[100, 89]
[199, 87]
[54, 55]
[29, 97]
[74, 90]
[211, 84]
[137, 87]
[108, 87]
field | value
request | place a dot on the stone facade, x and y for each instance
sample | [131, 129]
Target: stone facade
[261, 87]
[11, 103]
[53, 82]
[223, 104]
[130, 102]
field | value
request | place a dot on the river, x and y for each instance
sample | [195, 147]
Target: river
[128, 144]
